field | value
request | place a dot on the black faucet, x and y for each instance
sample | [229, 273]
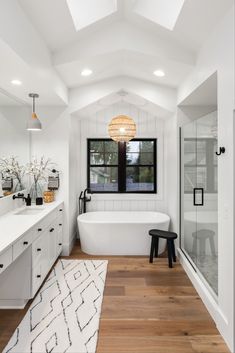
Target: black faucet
[84, 199]
[21, 196]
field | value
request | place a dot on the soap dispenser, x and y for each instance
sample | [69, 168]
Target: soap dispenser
[28, 200]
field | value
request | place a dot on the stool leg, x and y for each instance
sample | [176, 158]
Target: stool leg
[156, 247]
[151, 251]
[202, 246]
[194, 248]
[169, 253]
[212, 245]
[173, 250]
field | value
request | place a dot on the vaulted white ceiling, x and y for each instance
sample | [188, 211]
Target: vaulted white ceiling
[124, 37]
[193, 21]
[48, 43]
[85, 13]
[129, 100]
[162, 12]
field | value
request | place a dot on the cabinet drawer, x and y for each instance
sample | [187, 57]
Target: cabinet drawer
[37, 278]
[5, 259]
[60, 210]
[59, 222]
[37, 250]
[40, 228]
[59, 242]
[22, 244]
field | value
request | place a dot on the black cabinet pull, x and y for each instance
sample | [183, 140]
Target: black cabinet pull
[25, 243]
[39, 249]
[60, 244]
[52, 229]
[60, 209]
[39, 229]
[60, 224]
[1, 265]
[38, 276]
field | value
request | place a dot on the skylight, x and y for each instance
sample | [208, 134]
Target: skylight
[86, 12]
[163, 12]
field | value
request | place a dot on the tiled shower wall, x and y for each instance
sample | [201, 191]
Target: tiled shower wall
[95, 126]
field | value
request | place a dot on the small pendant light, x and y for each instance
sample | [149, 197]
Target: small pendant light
[34, 123]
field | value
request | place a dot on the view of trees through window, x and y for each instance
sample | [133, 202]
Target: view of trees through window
[122, 167]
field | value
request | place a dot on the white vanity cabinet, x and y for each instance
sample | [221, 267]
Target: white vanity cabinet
[5, 259]
[59, 234]
[32, 255]
[46, 248]
[21, 245]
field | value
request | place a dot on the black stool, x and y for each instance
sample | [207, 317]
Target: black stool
[170, 237]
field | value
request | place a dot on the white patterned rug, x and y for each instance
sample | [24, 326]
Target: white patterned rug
[64, 316]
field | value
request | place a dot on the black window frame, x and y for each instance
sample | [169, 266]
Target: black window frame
[122, 166]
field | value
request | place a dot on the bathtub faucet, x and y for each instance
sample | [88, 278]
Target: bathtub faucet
[83, 199]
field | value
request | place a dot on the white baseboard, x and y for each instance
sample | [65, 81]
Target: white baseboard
[13, 303]
[207, 298]
[67, 248]
[71, 245]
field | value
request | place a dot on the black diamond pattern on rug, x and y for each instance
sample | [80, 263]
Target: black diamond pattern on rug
[64, 316]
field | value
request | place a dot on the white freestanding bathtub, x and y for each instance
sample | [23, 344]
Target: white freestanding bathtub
[120, 233]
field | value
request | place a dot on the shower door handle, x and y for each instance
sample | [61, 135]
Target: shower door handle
[198, 197]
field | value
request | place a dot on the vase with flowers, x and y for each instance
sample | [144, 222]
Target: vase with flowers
[38, 169]
[11, 168]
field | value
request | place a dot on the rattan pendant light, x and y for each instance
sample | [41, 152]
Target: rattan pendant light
[122, 128]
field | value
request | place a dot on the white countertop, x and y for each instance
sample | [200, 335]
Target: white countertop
[13, 226]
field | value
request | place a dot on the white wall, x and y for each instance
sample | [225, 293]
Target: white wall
[54, 142]
[95, 126]
[74, 181]
[217, 54]
[14, 139]
[24, 55]
[171, 141]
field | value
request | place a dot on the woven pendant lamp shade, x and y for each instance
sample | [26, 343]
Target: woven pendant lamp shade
[122, 128]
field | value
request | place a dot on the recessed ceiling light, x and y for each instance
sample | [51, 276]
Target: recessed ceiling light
[16, 82]
[86, 72]
[159, 73]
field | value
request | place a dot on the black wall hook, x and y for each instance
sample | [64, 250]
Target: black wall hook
[221, 150]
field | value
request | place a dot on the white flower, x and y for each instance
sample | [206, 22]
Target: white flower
[10, 167]
[39, 169]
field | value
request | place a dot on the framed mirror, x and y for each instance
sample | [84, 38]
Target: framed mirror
[14, 144]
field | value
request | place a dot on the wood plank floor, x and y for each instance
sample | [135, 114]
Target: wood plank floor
[147, 308]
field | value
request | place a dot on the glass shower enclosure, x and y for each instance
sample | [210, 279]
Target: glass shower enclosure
[199, 207]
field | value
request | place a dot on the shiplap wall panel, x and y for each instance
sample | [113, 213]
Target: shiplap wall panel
[148, 126]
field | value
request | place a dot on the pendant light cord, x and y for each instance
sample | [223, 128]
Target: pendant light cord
[33, 104]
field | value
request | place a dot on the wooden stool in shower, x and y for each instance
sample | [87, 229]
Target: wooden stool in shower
[202, 236]
[170, 237]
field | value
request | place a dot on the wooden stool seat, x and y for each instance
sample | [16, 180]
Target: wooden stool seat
[170, 237]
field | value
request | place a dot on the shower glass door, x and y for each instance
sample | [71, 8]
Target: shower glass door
[199, 216]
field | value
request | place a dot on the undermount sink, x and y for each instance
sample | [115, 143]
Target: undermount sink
[29, 211]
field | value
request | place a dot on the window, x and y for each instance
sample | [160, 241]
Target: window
[122, 167]
[200, 164]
